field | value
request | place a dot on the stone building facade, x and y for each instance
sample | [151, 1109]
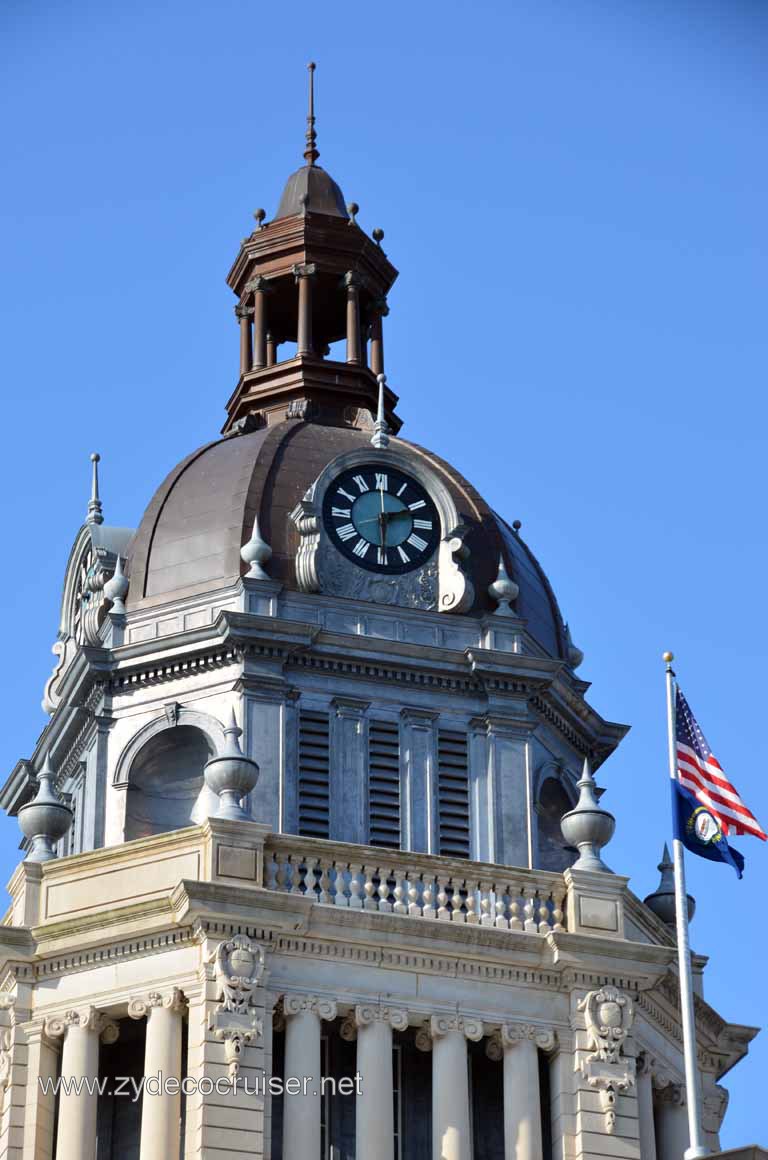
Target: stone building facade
[314, 726]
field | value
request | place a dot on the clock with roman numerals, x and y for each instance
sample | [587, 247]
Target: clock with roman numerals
[381, 519]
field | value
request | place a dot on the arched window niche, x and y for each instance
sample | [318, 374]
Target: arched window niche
[555, 795]
[161, 774]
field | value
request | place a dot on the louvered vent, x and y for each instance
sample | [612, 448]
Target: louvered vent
[453, 793]
[384, 784]
[314, 774]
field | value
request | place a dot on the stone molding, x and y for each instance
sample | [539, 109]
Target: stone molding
[172, 1000]
[86, 1018]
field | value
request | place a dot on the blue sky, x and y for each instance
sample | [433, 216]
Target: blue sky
[575, 196]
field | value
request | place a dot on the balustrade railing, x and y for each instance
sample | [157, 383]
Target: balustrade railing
[415, 885]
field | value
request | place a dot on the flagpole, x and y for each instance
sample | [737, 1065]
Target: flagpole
[692, 1088]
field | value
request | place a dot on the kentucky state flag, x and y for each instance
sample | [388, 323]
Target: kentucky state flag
[699, 830]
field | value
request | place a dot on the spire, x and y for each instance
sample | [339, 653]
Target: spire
[310, 153]
[380, 437]
[95, 514]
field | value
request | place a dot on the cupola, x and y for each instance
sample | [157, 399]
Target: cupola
[309, 278]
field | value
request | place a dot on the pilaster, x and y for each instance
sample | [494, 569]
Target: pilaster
[418, 780]
[349, 770]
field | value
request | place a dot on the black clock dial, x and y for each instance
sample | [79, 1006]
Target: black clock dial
[381, 519]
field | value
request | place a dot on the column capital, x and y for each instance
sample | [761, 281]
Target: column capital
[440, 1025]
[304, 270]
[352, 280]
[367, 1013]
[242, 311]
[379, 307]
[170, 1000]
[85, 1018]
[258, 284]
[298, 1004]
[350, 707]
[510, 1034]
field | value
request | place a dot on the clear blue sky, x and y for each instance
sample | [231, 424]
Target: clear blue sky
[575, 196]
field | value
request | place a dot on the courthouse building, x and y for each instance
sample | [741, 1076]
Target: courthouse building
[316, 797]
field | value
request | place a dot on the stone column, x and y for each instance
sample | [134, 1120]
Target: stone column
[260, 287]
[645, 1108]
[301, 1117]
[81, 1031]
[353, 282]
[672, 1123]
[518, 1044]
[304, 275]
[451, 1137]
[160, 1110]
[375, 1125]
[243, 314]
[272, 345]
[380, 311]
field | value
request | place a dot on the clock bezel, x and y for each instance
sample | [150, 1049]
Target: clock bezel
[346, 549]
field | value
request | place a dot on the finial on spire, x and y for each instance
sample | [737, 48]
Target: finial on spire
[95, 514]
[310, 153]
[380, 437]
[588, 826]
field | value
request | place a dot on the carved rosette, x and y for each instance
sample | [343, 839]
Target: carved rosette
[172, 1000]
[239, 969]
[85, 1018]
[509, 1035]
[608, 1018]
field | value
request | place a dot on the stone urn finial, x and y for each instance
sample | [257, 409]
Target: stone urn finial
[588, 826]
[231, 775]
[46, 818]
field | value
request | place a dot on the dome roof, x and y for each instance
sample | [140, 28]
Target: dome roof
[190, 536]
[311, 190]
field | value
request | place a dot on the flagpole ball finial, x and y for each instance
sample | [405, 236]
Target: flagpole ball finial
[668, 657]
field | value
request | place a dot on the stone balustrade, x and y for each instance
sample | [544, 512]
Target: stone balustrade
[415, 885]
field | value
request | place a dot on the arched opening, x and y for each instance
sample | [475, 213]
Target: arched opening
[166, 790]
[552, 804]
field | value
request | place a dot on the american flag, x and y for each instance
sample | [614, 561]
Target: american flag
[700, 772]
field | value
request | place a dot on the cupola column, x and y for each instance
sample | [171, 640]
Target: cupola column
[301, 1131]
[380, 311]
[260, 288]
[353, 282]
[81, 1031]
[451, 1138]
[243, 314]
[304, 276]
[161, 1109]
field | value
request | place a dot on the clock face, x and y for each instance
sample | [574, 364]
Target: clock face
[381, 519]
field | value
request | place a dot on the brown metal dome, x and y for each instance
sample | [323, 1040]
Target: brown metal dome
[311, 190]
[190, 536]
